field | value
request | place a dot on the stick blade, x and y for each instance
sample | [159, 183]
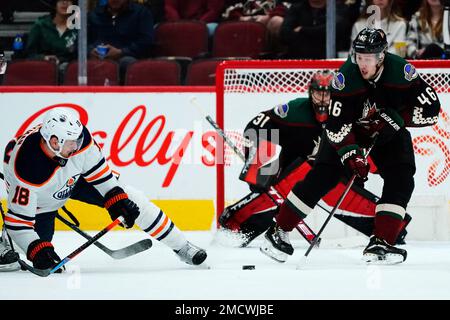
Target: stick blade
[38, 272]
[132, 249]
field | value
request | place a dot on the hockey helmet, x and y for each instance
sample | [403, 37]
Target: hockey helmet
[370, 40]
[319, 92]
[65, 125]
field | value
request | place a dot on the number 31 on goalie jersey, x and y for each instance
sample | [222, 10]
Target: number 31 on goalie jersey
[260, 120]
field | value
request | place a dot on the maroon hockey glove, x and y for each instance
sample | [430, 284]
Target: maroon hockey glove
[43, 255]
[118, 204]
[353, 158]
[386, 123]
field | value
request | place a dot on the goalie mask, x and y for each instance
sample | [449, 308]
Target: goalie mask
[63, 124]
[320, 92]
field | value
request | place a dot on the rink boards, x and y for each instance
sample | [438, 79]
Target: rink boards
[159, 143]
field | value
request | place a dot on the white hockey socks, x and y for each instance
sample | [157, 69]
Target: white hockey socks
[153, 221]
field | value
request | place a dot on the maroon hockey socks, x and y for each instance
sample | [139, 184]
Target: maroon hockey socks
[288, 218]
[387, 227]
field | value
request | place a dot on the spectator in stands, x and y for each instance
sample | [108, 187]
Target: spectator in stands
[392, 24]
[304, 29]
[125, 28]
[207, 11]
[52, 38]
[268, 12]
[425, 39]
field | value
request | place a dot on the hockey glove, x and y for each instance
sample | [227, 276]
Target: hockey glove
[118, 204]
[386, 123]
[43, 255]
[353, 158]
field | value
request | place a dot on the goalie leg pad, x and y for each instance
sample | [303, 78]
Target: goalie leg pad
[262, 165]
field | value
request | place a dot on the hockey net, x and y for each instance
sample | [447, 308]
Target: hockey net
[247, 87]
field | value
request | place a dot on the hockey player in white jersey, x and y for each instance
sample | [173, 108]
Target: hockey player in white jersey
[58, 160]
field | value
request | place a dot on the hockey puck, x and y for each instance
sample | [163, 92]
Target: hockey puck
[248, 267]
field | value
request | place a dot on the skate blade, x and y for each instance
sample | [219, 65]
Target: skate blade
[388, 259]
[274, 254]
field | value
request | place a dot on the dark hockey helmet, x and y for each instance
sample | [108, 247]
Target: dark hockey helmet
[319, 93]
[370, 41]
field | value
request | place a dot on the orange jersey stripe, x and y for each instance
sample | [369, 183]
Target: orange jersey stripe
[98, 175]
[166, 219]
[27, 223]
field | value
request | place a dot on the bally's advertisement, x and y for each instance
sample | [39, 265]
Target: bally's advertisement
[160, 143]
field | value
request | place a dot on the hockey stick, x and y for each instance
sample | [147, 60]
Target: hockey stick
[306, 232]
[115, 254]
[341, 198]
[47, 272]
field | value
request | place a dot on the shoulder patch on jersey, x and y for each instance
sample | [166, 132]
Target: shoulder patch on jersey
[410, 72]
[338, 81]
[281, 110]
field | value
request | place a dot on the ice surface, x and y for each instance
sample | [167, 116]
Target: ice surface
[331, 272]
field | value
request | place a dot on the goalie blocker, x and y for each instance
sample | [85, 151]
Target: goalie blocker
[254, 214]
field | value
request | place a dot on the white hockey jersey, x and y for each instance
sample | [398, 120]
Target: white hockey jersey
[37, 184]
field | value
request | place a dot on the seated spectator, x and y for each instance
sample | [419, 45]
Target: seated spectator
[392, 24]
[122, 31]
[425, 39]
[207, 11]
[268, 12]
[51, 39]
[304, 29]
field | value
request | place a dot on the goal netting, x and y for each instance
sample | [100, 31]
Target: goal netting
[246, 87]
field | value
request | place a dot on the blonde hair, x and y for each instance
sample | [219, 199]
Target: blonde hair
[425, 19]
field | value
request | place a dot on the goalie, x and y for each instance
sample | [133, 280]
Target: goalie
[282, 143]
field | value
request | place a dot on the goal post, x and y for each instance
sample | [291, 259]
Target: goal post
[246, 87]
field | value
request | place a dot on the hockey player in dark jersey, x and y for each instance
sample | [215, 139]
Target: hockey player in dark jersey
[294, 128]
[60, 159]
[376, 96]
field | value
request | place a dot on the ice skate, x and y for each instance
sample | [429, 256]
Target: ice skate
[378, 251]
[191, 254]
[8, 257]
[276, 244]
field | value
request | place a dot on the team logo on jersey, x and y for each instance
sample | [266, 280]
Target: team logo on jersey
[410, 72]
[281, 110]
[368, 110]
[338, 81]
[67, 189]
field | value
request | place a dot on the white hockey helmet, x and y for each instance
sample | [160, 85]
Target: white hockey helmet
[65, 125]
